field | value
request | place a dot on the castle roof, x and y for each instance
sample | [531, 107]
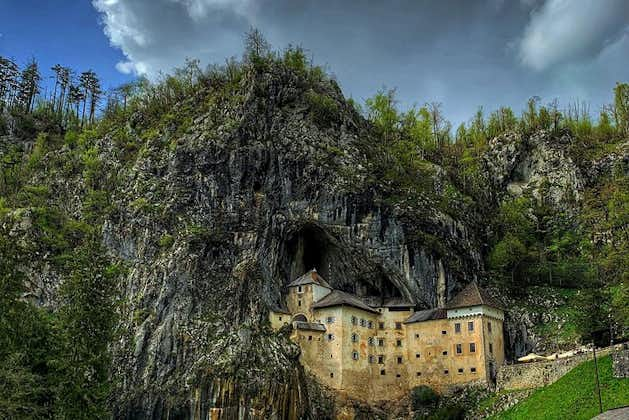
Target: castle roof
[311, 326]
[339, 298]
[472, 295]
[393, 302]
[280, 309]
[309, 278]
[426, 315]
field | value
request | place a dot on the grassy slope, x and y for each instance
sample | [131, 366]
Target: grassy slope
[573, 396]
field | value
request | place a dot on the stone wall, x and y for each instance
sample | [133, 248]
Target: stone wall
[620, 363]
[538, 374]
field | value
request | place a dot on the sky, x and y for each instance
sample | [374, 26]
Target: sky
[462, 53]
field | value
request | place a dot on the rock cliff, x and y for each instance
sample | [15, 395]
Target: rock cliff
[215, 221]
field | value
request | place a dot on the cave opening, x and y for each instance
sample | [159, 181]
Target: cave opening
[309, 248]
[346, 269]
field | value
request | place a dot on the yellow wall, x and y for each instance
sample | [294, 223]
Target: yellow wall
[320, 355]
[332, 361]
[300, 302]
[431, 345]
[279, 319]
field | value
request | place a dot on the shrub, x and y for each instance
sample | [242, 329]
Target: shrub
[323, 109]
[423, 395]
[166, 241]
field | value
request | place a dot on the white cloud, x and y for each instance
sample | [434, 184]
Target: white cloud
[563, 31]
[157, 35]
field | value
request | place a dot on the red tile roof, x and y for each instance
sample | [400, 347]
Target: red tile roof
[309, 278]
[473, 295]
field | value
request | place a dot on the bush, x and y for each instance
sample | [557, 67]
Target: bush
[166, 241]
[423, 395]
[323, 109]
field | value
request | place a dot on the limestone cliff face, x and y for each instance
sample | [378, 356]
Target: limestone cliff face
[539, 163]
[214, 226]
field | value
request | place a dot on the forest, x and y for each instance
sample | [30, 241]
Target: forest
[57, 363]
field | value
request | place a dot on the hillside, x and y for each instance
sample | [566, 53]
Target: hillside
[149, 246]
[573, 396]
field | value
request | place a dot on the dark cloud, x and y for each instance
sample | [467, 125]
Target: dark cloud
[462, 53]
[572, 31]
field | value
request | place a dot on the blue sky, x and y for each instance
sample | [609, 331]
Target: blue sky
[59, 31]
[461, 53]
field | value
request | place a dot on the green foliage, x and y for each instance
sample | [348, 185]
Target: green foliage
[166, 241]
[382, 112]
[423, 395]
[295, 59]
[87, 318]
[621, 107]
[573, 396]
[323, 109]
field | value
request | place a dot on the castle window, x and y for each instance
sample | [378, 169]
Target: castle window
[398, 325]
[355, 355]
[381, 342]
[354, 320]
[280, 318]
[299, 290]
[460, 370]
[491, 348]
[418, 373]
[330, 320]
[459, 348]
[417, 355]
[354, 338]
[331, 374]
[362, 322]
[381, 359]
[472, 347]
[399, 360]
[444, 332]
[473, 370]
[370, 341]
[489, 326]
[416, 335]
[398, 343]
[369, 324]
[470, 326]
[445, 353]
[330, 337]
[299, 303]
[397, 375]
[371, 359]
[445, 372]
[383, 372]
[457, 327]
[309, 338]
[381, 325]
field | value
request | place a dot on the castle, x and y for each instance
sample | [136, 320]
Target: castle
[381, 349]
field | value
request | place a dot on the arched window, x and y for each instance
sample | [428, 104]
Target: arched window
[300, 318]
[355, 355]
[355, 338]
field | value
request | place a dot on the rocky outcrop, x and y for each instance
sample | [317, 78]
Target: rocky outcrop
[538, 163]
[215, 222]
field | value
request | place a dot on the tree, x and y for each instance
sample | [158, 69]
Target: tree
[87, 319]
[416, 127]
[29, 85]
[9, 82]
[440, 125]
[621, 107]
[256, 46]
[381, 110]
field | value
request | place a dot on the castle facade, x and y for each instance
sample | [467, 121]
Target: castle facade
[379, 349]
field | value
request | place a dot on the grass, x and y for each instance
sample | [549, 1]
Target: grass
[573, 396]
